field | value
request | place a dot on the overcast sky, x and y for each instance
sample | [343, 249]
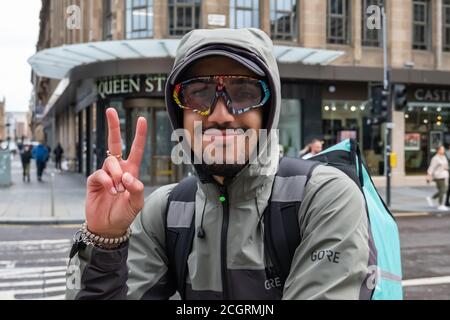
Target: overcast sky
[19, 29]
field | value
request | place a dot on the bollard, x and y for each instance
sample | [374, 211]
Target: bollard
[5, 168]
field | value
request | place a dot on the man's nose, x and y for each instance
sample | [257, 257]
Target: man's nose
[220, 113]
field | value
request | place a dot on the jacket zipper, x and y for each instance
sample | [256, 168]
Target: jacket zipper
[223, 242]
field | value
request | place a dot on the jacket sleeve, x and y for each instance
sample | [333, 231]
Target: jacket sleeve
[137, 270]
[332, 260]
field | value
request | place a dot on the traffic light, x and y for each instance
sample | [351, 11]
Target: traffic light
[379, 104]
[400, 100]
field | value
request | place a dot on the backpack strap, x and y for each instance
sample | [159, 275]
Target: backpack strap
[180, 227]
[282, 232]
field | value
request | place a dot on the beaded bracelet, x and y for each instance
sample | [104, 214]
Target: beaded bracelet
[102, 242]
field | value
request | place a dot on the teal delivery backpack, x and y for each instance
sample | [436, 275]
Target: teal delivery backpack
[387, 273]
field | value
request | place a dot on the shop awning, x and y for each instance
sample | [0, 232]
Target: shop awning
[57, 62]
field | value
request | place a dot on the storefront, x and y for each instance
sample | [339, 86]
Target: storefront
[427, 121]
[132, 96]
[345, 114]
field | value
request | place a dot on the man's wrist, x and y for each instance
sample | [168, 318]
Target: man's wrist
[103, 242]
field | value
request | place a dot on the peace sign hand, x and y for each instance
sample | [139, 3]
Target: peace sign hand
[114, 193]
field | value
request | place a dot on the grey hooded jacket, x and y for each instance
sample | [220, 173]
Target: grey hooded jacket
[331, 261]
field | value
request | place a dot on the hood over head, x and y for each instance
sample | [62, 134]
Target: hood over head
[252, 48]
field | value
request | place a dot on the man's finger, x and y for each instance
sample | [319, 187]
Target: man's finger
[113, 168]
[138, 147]
[114, 137]
[136, 190]
[101, 178]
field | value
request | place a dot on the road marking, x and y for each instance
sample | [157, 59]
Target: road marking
[30, 276]
[411, 214]
[10, 264]
[35, 242]
[58, 297]
[426, 281]
[34, 279]
[33, 270]
[11, 294]
[43, 282]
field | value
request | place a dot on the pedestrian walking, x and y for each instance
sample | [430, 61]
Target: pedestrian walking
[40, 155]
[59, 151]
[25, 157]
[438, 172]
[447, 198]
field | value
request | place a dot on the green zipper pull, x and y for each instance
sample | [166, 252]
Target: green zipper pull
[222, 198]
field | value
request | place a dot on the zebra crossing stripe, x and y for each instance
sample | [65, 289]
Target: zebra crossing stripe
[32, 276]
[31, 270]
[34, 279]
[42, 282]
[11, 294]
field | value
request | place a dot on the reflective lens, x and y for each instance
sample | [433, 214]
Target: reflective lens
[240, 93]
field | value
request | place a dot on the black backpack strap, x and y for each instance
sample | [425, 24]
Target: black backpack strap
[180, 227]
[282, 232]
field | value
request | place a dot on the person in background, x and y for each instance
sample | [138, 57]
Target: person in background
[59, 151]
[21, 145]
[438, 172]
[25, 157]
[315, 147]
[447, 198]
[40, 154]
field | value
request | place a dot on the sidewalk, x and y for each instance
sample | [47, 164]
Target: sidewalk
[31, 202]
[411, 199]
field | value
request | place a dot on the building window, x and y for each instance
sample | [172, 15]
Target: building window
[283, 19]
[421, 24]
[184, 16]
[338, 21]
[446, 24]
[107, 20]
[139, 19]
[244, 14]
[370, 37]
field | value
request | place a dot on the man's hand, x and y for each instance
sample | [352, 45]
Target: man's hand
[114, 193]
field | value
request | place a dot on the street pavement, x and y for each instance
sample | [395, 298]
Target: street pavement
[425, 246]
[411, 199]
[25, 202]
[33, 261]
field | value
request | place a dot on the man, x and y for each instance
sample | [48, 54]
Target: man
[25, 157]
[222, 79]
[40, 154]
[59, 151]
[315, 147]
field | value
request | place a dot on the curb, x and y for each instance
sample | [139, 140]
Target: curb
[42, 221]
[411, 213]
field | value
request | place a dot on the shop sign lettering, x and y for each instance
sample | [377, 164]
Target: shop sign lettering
[432, 95]
[142, 84]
